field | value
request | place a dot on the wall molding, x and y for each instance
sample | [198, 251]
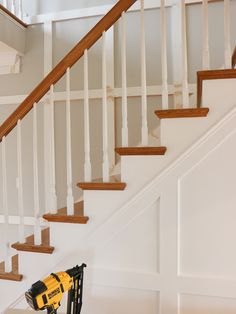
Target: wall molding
[207, 286]
[153, 90]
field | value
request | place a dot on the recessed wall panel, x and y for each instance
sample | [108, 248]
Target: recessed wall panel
[207, 214]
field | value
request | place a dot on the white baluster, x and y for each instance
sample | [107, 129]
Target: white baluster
[105, 111]
[53, 205]
[8, 264]
[185, 86]
[205, 52]
[125, 131]
[20, 14]
[227, 34]
[144, 79]
[4, 3]
[164, 56]
[20, 184]
[87, 162]
[37, 229]
[70, 199]
[13, 7]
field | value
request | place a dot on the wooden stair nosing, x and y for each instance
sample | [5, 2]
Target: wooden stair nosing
[182, 113]
[140, 151]
[11, 276]
[114, 184]
[26, 247]
[62, 217]
[66, 218]
[102, 186]
[14, 274]
[29, 245]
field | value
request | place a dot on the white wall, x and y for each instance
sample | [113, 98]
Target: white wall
[12, 34]
[60, 5]
[31, 71]
[43, 6]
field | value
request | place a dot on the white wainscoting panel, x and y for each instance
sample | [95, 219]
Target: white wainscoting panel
[115, 300]
[136, 246]
[207, 214]
[196, 304]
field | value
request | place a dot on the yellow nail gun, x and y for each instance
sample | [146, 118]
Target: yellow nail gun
[47, 294]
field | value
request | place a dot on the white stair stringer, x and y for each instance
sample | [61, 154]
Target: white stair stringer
[104, 230]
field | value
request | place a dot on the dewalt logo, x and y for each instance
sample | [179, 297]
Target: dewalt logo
[53, 293]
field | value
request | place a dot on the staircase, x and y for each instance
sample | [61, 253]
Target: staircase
[126, 227]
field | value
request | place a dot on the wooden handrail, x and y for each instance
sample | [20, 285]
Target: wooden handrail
[67, 62]
[14, 17]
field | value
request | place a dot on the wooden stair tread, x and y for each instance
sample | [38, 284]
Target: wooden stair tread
[24, 247]
[212, 75]
[140, 151]
[29, 245]
[10, 276]
[113, 185]
[62, 216]
[66, 218]
[217, 74]
[14, 275]
[182, 113]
